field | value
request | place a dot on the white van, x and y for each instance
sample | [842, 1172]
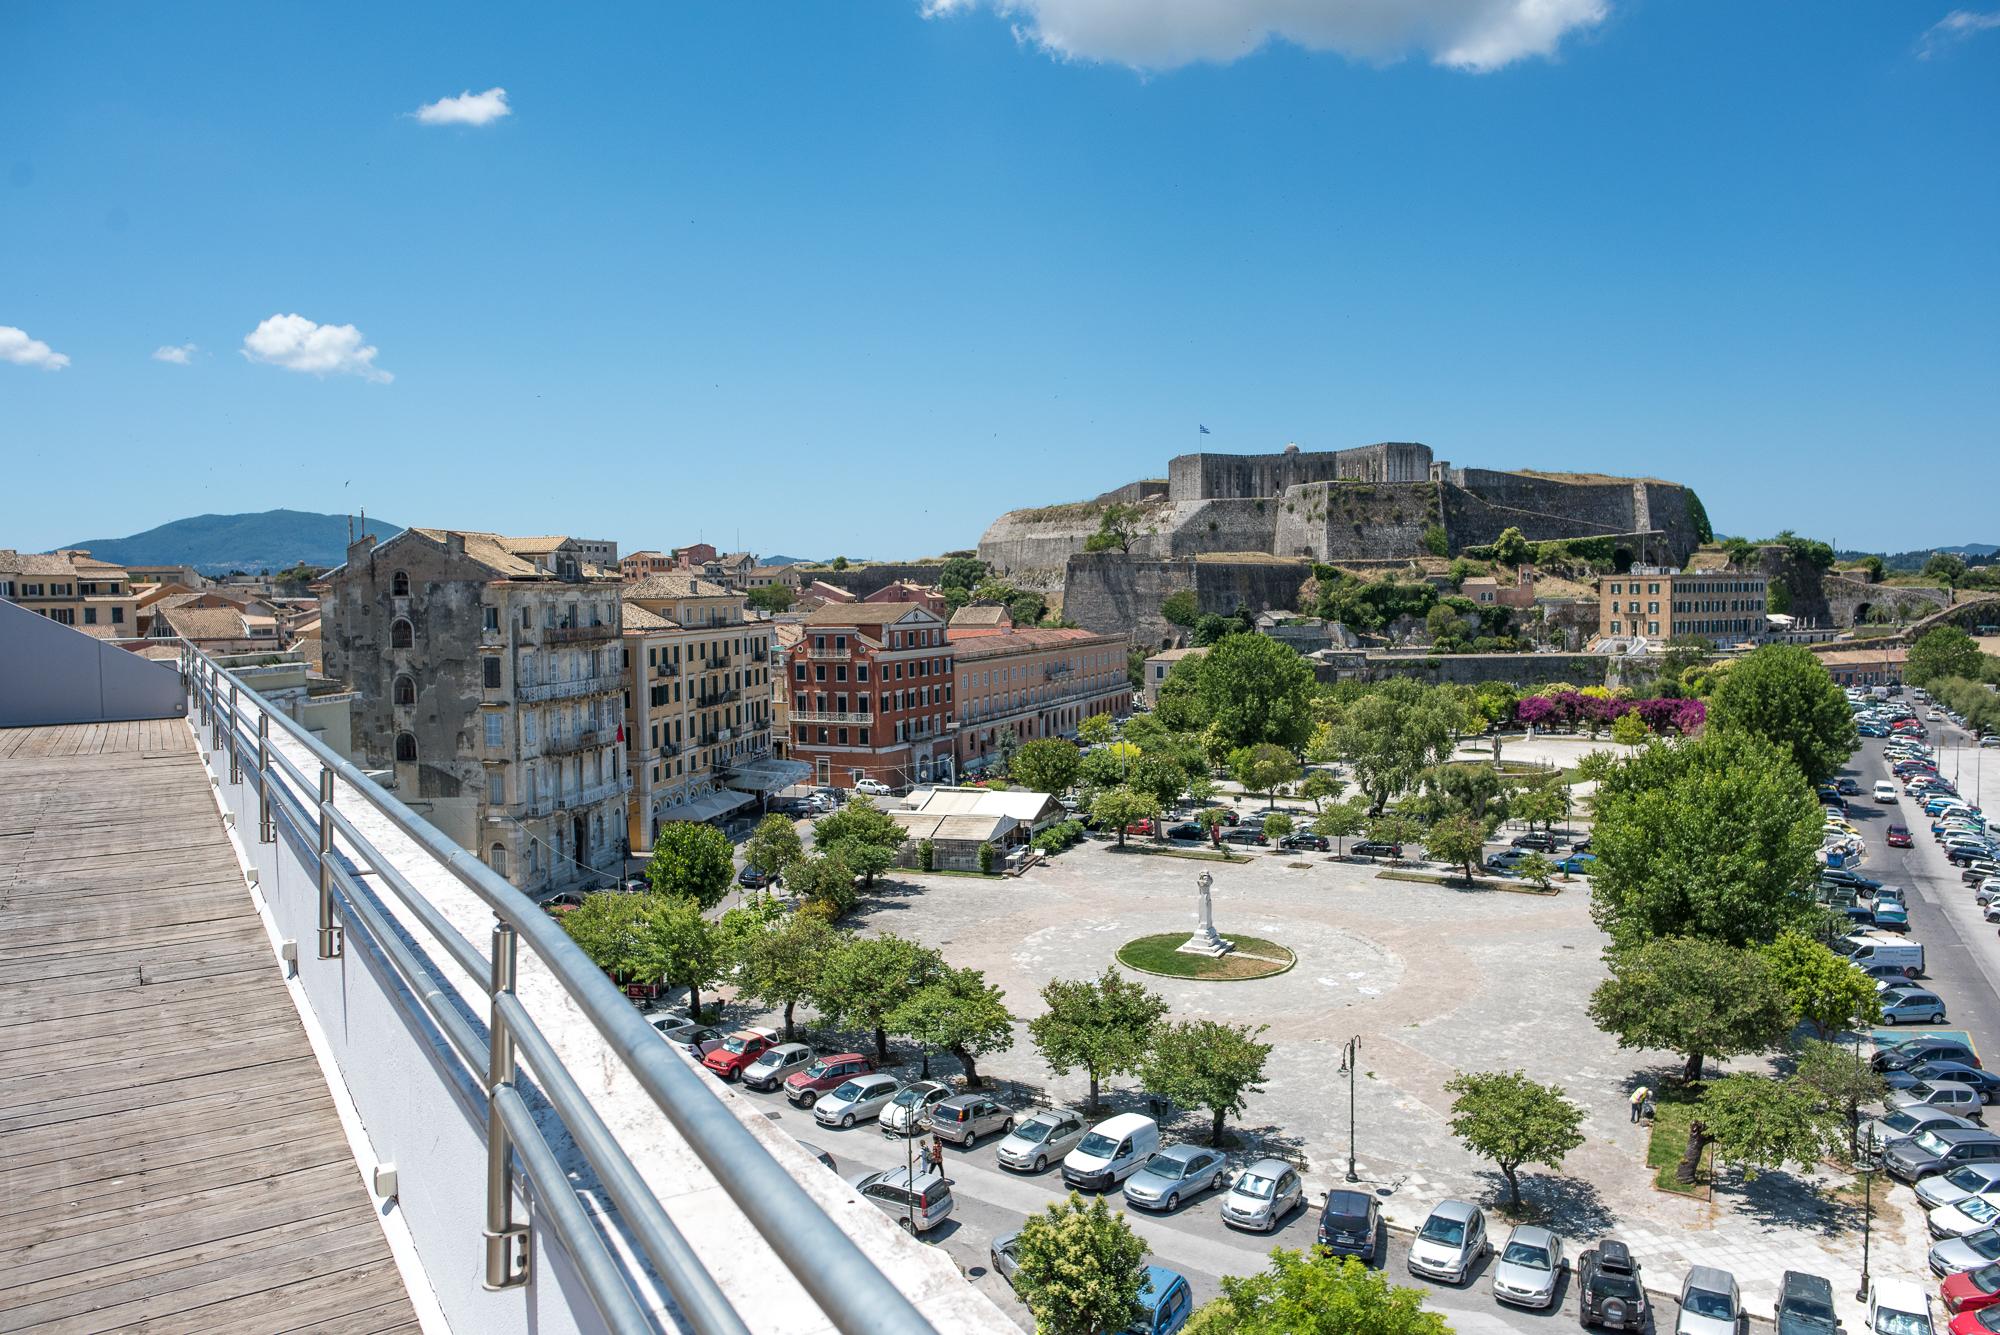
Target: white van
[1870, 949]
[1112, 1151]
[1885, 791]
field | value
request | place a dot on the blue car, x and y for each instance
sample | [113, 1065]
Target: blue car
[1167, 1303]
[1577, 864]
[1890, 916]
[1872, 730]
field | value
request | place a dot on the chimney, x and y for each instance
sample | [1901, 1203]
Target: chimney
[357, 551]
[454, 542]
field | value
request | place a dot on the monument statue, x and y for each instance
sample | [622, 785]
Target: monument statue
[1205, 941]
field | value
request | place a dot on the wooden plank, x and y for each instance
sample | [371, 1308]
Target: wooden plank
[75, 1139]
[325, 1298]
[277, 1069]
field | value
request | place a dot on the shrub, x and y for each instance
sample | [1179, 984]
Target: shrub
[986, 855]
[927, 855]
[826, 910]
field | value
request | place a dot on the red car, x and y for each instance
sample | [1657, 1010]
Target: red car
[1899, 836]
[1985, 1321]
[738, 1051]
[1143, 825]
[827, 1073]
[1971, 1291]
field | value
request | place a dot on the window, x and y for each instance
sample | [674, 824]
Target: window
[405, 690]
[406, 748]
[489, 618]
[90, 616]
[399, 584]
[117, 616]
[496, 858]
[496, 732]
[799, 671]
[496, 787]
[402, 635]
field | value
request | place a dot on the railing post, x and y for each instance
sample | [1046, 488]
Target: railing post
[214, 715]
[235, 746]
[329, 930]
[266, 832]
[506, 1241]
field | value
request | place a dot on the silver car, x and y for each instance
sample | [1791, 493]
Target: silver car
[1004, 1254]
[964, 1118]
[1041, 1140]
[1452, 1241]
[857, 1100]
[1710, 1304]
[904, 1115]
[1974, 1179]
[1263, 1195]
[770, 1069]
[1174, 1174]
[1967, 1252]
[1898, 1123]
[696, 1040]
[1530, 1268]
[918, 1199]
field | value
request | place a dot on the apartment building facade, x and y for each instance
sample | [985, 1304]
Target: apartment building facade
[73, 588]
[697, 703]
[871, 695]
[1033, 683]
[488, 676]
[1722, 607]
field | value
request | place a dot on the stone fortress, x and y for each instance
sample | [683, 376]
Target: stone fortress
[1244, 529]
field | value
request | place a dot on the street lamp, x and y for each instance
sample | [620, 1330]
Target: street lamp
[1350, 1062]
[1868, 1163]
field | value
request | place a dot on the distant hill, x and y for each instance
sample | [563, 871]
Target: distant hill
[782, 560]
[217, 544]
[1975, 553]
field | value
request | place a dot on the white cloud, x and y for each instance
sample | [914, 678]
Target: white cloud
[1473, 35]
[1954, 28]
[18, 348]
[297, 344]
[468, 108]
[180, 354]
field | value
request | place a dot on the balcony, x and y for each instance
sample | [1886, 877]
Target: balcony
[829, 655]
[568, 743]
[713, 699]
[666, 669]
[579, 634]
[831, 716]
[569, 690]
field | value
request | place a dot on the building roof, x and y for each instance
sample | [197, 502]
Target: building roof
[1021, 804]
[644, 554]
[1174, 655]
[954, 828]
[27, 563]
[867, 614]
[1027, 640]
[981, 614]
[638, 620]
[680, 585]
[488, 549]
[1853, 657]
[207, 623]
[533, 546]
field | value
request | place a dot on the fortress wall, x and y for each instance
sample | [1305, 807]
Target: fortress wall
[1193, 477]
[862, 580]
[1360, 521]
[1132, 493]
[1220, 526]
[1850, 600]
[1121, 595]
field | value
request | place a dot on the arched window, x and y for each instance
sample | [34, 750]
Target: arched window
[406, 689]
[399, 584]
[496, 858]
[406, 748]
[402, 635]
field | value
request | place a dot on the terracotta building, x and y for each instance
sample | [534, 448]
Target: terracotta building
[1033, 683]
[871, 695]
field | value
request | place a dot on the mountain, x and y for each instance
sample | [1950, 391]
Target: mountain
[217, 544]
[1975, 553]
[782, 560]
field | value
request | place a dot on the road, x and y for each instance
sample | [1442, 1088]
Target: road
[991, 1201]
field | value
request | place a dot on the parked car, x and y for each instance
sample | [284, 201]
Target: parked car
[1971, 1180]
[1040, 1140]
[769, 1070]
[905, 1113]
[1263, 1196]
[1315, 843]
[1985, 1082]
[1912, 1005]
[752, 879]
[1003, 1256]
[1243, 834]
[1920, 1049]
[1536, 841]
[1374, 848]
[1805, 1305]
[1165, 1303]
[1350, 1224]
[1940, 1151]
[1609, 1291]
[1889, 915]
[1174, 1174]
[804, 1087]
[1111, 1152]
[1530, 1269]
[1896, 1124]
[696, 1040]
[1710, 1303]
[1577, 864]
[1508, 863]
[1451, 1242]
[872, 787]
[1143, 825]
[1972, 1290]
[1187, 829]
[964, 1118]
[735, 1053]
[856, 1100]
[917, 1198]
[1967, 1214]
[1966, 1252]
[1898, 1307]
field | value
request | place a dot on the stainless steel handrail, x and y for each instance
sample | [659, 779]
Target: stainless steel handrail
[849, 1289]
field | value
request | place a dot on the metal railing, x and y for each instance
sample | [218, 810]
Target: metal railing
[831, 716]
[297, 804]
[603, 630]
[569, 690]
[583, 739]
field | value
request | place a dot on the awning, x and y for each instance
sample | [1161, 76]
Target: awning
[706, 808]
[767, 774]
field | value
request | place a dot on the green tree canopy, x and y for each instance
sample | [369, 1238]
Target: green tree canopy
[1842, 1080]
[823, 878]
[774, 597]
[1783, 693]
[1511, 547]
[1116, 527]
[1254, 689]
[1943, 651]
[781, 967]
[1158, 778]
[959, 1012]
[1459, 839]
[1508, 1118]
[1321, 786]
[862, 835]
[1095, 730]
[1759, 1124]
[1204, 1064]
[1713, 837]
[773, 845]
[686, 945]
[1047, 765]
[1823, 988]
[1263, 768]
[1116, 808]
[1103, 1025]
[610, 928]
[1180, 608]
[693, 860]
[1277, 824]
[1080, 1269]
[961, 572]
[1342, 820]
[1316, 1294]
[1695, 997]
[863, 982]
[1390, 735]
[1947, 568]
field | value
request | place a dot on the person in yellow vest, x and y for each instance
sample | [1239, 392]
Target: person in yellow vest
[1638, 1100]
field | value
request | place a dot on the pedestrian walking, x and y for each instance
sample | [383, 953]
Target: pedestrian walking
[934, 1154]
[1638, 1100]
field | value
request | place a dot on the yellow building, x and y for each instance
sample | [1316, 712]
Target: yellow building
[1723, 607]
[73, 588]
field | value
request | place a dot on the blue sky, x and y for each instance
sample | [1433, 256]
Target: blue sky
[855, 277]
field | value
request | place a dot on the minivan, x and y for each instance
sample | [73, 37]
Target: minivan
[919, 1199]
[1165, 1303]
[1869, 950]
[1885, 791]
[1112, 1152]
[1940, 1151]
[1912, 1005]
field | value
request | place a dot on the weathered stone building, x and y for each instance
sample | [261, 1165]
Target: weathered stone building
[488, 676]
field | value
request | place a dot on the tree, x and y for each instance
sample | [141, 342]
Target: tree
[1277, 825]
[1118, 808]
[1511, 547]
[961, 572]
[1341, 821]
[692, 859]
[774, 597]
[781, 967]
[1255, 690]
[1103, 1025]
[1508, 1118]
[1095, 730]
[1157, 778]
[1536, 869]
[1116, 528]
[863, 836]
[1079, 1268]
[1783, 693]
[1458, 839]
[1842, 1080]
[1712, 837]
[1943, 651]
[1205, 1064]
[838, 563]
[1180, 608]
[1823, 988]
[1540, 804]
[773, 845]
[823, 878]
[1047, 765]
[863, 859]
[1316, 1294]
[1757, 1123]
[1321, 786]
[685, 945]
[609, 928]
[1628, 729]
[1391, 828]
[1691, 996]
[864, 981]
[1947, 568]
[1263, 768]
[1211, 628]
[1389, 736]
[1212, 820]
[960, 1012]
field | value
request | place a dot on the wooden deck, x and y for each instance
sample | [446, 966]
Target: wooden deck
[170, 1159]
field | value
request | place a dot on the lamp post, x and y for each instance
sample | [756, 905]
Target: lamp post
[1867, 1163]
[1350, 1062]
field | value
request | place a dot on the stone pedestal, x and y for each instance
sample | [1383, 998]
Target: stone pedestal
[1205, 940]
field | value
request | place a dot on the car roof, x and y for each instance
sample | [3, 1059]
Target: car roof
[1348, 1202]
[1182, 1151]
[1049, 1115]
[1709, 1279]
[787, 1049]
[1532, 1234]
[1124, 1124]
[1453, 1209]
[1268, 1167]
[1158, 1280]
[843, 1057]
[1901, 1295]
[1961, 1135]
[963, 1100]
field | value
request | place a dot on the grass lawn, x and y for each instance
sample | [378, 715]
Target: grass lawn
[1673, 1110]
[1459, 882]
[1169, 851]
[1161, 954]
